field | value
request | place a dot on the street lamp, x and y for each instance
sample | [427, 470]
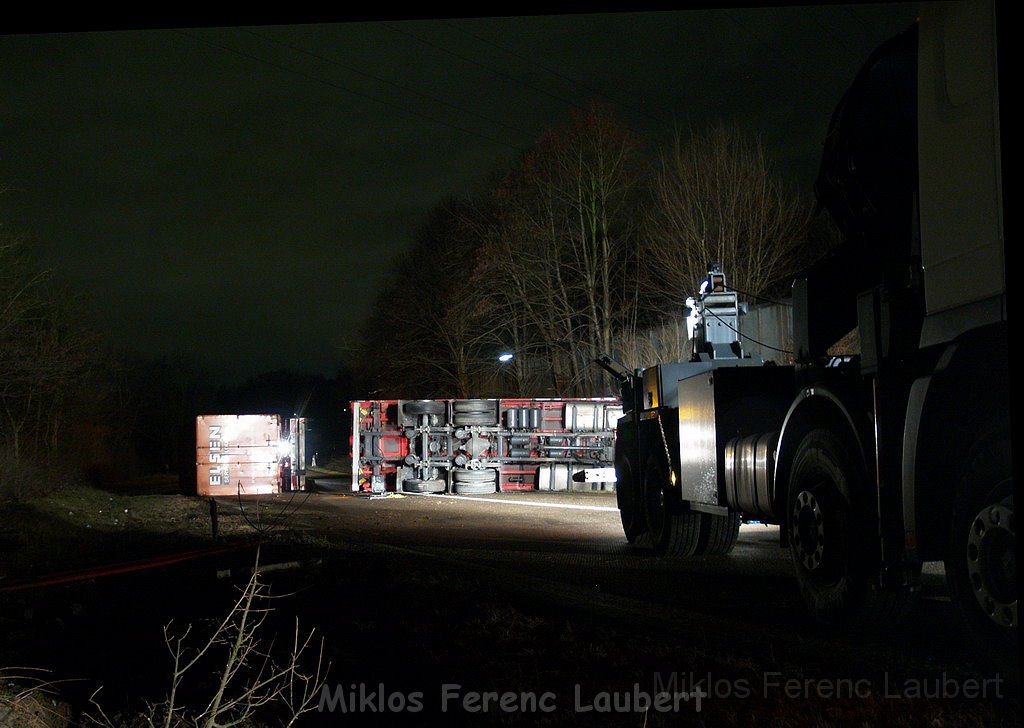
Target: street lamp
[505, 357]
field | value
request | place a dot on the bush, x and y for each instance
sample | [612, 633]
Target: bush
[21, 479]
[250, 680]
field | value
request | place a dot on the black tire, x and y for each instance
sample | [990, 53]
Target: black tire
[424, 407]
[981, 559]
[628, 498]
[832, 537]
[487, 475]
[671, 530]
[415, 485]
[475, 488]
[473, 418]
[485, 406]
[718, 534]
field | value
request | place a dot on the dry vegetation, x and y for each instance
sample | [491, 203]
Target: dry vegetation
[260, 679]
[249, 681]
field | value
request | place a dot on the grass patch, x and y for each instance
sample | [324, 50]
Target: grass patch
[27, 700]
[82, 525]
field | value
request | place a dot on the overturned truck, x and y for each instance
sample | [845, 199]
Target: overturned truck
[249, 454]
[480, 446]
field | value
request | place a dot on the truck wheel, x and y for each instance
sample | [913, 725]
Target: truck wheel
[487, 475]
[485, 406]
[718, 534]
[672, 531]
[981, 563]
[415, 485]
[424, 407]
[830, 536]
[627, 496]
[475, 488]
[473, 418]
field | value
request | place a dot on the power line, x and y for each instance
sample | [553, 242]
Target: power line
[381, 79]
[477, 63]
[346, 89]
[759, 298]
[547, 69]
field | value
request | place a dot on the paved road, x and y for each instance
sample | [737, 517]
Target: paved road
[522, 591]
[569, 547]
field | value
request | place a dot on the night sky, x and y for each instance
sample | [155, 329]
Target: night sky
[239, 193]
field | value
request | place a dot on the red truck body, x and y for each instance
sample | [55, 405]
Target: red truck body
[530, 444]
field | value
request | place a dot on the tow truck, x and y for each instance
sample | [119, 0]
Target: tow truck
[873, 464]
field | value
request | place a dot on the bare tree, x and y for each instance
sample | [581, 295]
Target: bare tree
[662, 342]
[426, 337]
[560, 245]
[44, 358]
[563, 260]
[515, 285]
[715, 198]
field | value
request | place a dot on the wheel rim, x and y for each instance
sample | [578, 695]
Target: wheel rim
[808, 531]
[991, 563]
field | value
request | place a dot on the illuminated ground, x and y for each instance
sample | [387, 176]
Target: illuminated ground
[517, 593]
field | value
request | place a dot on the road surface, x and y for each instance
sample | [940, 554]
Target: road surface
[569, 547]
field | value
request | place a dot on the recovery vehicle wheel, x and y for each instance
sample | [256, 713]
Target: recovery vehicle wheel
[831, 536]
[628, 498]
[671, 530]
[718, 534]
[415, 485]
[981, 566]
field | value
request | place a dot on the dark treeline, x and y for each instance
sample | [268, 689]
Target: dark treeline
[47, 364]
[73, 407]
[157, 401]
[589, 244]
[323, 401]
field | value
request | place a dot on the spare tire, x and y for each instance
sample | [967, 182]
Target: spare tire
[475, 488]
[415, 485]
[424, 407]
[487, 475]
[473, 405]
[474, 418]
